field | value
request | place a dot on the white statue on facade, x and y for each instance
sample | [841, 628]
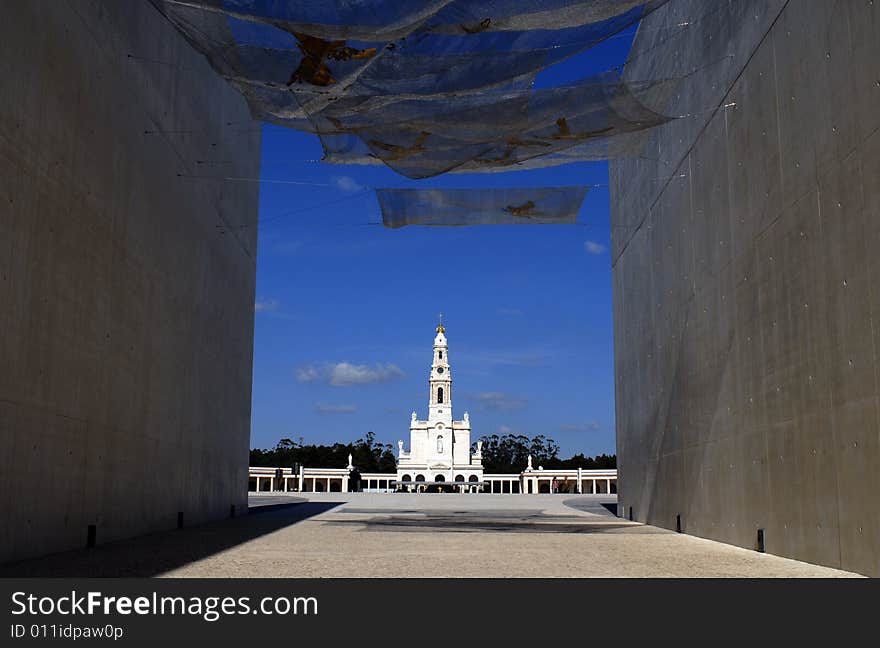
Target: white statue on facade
[467, 417]
[414, 417]
[400, 447]
[480, 447]
[350, 465]
[440, 444]
[529, 466]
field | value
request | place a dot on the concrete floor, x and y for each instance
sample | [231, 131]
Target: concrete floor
[401, 535]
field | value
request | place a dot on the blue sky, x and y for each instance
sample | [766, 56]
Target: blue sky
[346, 309]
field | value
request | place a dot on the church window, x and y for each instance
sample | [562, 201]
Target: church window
[440, 355]
[439, 394]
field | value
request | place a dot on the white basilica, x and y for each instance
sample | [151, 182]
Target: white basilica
[439, 451]
[439, 446]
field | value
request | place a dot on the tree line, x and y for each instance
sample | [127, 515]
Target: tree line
[507, 453]
[366, 454]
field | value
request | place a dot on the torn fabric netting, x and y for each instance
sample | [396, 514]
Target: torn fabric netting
[456, 207]
[421, 139]
[380, 69]
[391, 20]
[350, 149]
[260, 48]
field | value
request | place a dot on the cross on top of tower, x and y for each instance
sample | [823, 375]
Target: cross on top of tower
[440, 327]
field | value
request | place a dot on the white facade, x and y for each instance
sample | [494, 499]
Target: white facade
[530, 481]
[439, 446]
[439, 451]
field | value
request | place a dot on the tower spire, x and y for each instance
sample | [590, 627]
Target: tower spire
[440, 402]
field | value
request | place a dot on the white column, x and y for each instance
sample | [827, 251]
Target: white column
[594, 487]
[608, 486]
[285, 484]
[301, 483]
[258, 484]
[345, 484]
[580, 488]
[328, 484]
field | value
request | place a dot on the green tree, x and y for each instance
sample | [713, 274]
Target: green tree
[367, 455]
[509, 454]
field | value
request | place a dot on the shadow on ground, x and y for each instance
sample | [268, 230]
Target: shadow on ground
[461, 524]
[602, 519]
[161, 552]
[500, 520]
[590, 505]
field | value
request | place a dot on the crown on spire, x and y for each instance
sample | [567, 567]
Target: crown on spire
[440, 327]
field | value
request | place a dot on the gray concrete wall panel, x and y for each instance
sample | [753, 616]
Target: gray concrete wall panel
[745, 281]
[127, 289]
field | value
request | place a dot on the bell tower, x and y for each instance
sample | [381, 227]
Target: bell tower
[440, 380]
[439, 447]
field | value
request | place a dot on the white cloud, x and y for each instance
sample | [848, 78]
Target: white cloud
[322, 408]
[267, 306]
[590, 426]
[594, 248]
[504, 429]
[307, 373]
[345, 374]
[347, 184]
[498, 401]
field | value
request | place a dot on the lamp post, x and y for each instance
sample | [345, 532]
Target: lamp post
[452, 452]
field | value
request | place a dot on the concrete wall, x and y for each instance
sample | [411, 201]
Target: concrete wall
[126, 312]
[746, 255]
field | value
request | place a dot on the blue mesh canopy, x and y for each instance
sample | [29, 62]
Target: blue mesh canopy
[456, 207]
[497, 129]
[426, 86]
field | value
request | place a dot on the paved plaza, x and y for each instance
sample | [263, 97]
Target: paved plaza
[425, 535]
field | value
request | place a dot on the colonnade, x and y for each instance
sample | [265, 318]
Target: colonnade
[589, 486]
[529, 482]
